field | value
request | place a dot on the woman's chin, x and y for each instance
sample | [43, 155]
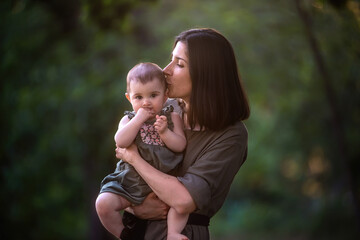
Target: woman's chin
[171, 95]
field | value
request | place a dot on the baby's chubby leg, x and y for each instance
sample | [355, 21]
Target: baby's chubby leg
[176, 236]
[108, 206]
[176, 223]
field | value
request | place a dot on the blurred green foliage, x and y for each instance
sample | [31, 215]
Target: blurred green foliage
[62, 70]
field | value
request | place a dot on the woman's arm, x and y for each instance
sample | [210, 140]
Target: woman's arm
[166, 187]
[175, 140]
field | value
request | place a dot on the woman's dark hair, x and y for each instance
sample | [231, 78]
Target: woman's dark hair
[218, 98]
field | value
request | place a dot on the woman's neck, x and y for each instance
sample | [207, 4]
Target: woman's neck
[187, 125]
[185, 105]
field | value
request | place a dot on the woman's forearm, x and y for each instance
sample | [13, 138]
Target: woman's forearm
[166, 187]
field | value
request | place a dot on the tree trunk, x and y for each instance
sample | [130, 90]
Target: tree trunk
[338, 127]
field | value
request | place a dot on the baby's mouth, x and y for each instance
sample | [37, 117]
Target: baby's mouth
[150, 110]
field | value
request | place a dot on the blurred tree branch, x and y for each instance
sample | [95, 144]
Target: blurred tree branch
[338, 125]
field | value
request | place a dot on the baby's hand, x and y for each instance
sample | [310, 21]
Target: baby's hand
[161, 124]
[144, 114]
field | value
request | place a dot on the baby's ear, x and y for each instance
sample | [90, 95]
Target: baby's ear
[127, 97]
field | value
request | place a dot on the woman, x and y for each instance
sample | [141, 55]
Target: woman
[203, 74]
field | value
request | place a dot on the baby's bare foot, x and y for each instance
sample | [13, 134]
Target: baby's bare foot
[176, 236]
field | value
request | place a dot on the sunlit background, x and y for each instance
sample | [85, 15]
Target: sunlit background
[63, 65]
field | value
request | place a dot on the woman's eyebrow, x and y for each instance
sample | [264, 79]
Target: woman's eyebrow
[179, 58]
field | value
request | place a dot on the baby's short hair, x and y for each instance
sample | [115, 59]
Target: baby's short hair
[145, 72]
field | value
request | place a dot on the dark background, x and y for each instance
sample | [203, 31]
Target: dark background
[62, 71]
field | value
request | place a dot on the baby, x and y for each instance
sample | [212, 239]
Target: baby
[158, 134]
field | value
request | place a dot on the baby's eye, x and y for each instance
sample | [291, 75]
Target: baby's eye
[138, 97]
[153, 95]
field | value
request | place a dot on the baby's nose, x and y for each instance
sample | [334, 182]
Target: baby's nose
[146, 102]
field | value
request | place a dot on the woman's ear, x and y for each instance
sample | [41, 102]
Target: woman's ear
[127, 97]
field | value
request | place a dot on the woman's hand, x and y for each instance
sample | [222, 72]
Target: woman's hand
[152, 208]
[127, 154]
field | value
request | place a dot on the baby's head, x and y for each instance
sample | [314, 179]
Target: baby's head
[146, 88]
[144, 73]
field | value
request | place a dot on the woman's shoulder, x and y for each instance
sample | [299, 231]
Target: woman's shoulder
[233, 133]
[238, 127]
[236, 131]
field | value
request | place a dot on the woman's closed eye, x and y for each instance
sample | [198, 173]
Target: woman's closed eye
[177, 61]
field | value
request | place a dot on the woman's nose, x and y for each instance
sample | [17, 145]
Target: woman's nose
[168, 69]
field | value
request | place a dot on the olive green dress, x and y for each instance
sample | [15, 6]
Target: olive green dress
[125, 181]
[210, 164]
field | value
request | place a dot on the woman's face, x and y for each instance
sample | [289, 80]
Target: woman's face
[177, 73]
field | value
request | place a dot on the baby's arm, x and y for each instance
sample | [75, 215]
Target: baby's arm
[128, 129]
[174, 140]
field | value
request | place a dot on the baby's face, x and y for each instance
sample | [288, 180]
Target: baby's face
[150, 96]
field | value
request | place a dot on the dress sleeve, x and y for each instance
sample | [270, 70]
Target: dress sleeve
[209, 178]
